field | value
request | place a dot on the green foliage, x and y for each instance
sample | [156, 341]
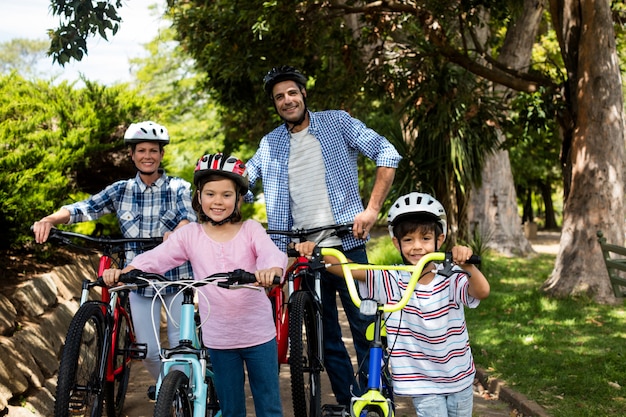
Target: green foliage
[22, 55]
[572, 350]
[78, 21]
[57, 140]
[167, 75]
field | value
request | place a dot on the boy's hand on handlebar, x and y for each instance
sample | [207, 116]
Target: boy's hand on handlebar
[461, 254]
[265, 277]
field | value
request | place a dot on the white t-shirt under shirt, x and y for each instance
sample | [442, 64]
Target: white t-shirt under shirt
[310, 205]
[428, 339]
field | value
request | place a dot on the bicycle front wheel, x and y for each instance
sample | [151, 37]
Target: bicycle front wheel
[80, 381]
[115, 390]
[304, 356]
[173, 399]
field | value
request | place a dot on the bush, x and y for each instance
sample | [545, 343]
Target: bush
[57, 140]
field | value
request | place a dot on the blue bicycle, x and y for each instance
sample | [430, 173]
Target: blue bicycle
[377, 401]
[185, 387]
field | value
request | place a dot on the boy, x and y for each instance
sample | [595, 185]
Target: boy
[431, 359]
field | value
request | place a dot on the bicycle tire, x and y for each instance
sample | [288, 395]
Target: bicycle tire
[304, 356]
[173, 399]
[79, 383]
[212, 404]
[115, 391]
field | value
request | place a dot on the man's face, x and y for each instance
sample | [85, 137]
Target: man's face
[289, 101]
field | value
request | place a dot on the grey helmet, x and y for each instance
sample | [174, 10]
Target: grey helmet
[146, 132]
[417, 205]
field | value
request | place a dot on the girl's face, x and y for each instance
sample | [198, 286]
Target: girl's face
[218, 198]
[416, 244]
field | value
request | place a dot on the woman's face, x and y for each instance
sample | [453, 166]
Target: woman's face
[218, 199]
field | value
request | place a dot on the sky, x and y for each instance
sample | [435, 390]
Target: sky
[107, 62]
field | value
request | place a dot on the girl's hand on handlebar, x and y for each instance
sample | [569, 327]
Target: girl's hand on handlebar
[112, 276]
[265, 277]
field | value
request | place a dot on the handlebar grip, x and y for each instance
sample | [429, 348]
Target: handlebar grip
[292, 253]
[245, 277]
[474, 260]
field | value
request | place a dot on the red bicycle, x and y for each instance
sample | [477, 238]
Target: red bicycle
[100, 344]
[299, 321]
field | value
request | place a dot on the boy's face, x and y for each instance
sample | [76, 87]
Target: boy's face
[416, 244]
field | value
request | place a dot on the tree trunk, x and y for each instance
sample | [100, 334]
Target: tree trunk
[493, 206]
[595, 198]
[549, 215]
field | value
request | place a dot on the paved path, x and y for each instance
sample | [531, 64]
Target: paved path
[486, 404]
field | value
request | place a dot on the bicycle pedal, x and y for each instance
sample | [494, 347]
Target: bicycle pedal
[138, 351]
[335, 410]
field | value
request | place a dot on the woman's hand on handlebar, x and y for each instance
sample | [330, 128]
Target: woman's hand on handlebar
[265, 277]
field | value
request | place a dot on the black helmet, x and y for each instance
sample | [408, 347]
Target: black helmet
[282, 73]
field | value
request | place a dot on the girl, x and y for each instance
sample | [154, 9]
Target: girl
[240, 328]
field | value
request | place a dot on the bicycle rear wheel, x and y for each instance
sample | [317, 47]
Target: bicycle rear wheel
[304, 356]
[173, 399]
[80, 381]
[115, 391]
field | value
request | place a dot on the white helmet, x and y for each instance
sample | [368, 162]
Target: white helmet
[415, 205]
[146, 132]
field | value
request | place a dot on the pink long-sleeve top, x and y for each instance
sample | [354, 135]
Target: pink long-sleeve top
[238, 318]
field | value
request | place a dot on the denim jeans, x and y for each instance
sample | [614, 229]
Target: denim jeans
[336, 358]
[261, 361]
[458, 404]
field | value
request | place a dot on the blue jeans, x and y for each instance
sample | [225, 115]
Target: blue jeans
[336, 358]
[262, 364]
[459, 404]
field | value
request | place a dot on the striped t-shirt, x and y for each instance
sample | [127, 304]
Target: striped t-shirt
[428, 339]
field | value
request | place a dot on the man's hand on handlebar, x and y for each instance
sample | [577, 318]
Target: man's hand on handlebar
[305, 248]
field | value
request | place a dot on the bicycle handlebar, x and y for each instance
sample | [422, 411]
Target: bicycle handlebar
[139, 278]
[416, 272]
[63, 237]
[339, 230]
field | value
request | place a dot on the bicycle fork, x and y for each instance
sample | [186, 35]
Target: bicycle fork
[190, 358]
[373, 400]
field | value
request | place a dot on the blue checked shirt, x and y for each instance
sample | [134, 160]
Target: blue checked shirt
[342, 138]
[142, 211]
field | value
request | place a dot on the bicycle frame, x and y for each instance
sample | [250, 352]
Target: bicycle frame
[118, 336]
[374, 396]
[189, 356]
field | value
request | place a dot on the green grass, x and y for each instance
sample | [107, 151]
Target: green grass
[567, 355]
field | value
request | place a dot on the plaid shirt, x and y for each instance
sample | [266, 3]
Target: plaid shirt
[142, 211]
[342, 138]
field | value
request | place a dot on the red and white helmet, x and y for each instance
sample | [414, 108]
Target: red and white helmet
[418, 205]
[146, 132]
[228, 166]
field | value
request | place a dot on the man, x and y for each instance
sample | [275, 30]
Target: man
[309, 171]
[149, 205]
